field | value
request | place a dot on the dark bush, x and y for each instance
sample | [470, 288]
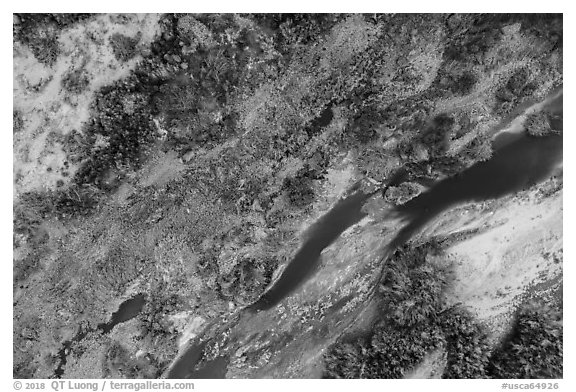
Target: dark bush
[347, 360]
[412, 295]
[35, 207]
[410, 298]
[414, 322]
[467, 345]
[247, 280]
[436, 137]
[198, 82]
[119, 132]
[293, 30]
[539, 124]
[518, 87]
[365, 125]
[40, 33]
[124, 47]
[17, 121]
[464, 83]
[534, 347]
[26, 267]
[518, 81]
[75, 201]
[397, 351]
[299, 188]
[480, 36]
[76, 81]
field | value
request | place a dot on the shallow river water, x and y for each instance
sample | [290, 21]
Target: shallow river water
[519, 161]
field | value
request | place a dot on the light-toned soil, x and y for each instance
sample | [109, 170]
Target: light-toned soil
[515, 254]
[48, 111]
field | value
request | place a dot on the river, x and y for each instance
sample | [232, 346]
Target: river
[327, 229]
[516, 166]
[519, 161]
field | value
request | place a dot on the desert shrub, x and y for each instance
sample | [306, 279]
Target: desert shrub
[519, 86]
[518, 81]
[194, 33]
[467, 345]
[534, 347]
[396, 351]
[436, 137]
[28, 265]
[123, 47]
[364, 126]
[30, 210]
[388, 353]
[480, 37]
[478, 150]
[34, 207]
[75, 201]
[118, 133]
[412, 295]
[464, 83]
[247, 279]
[538, 124]
[46, 48]
[202, 72]
[346, 359]
[40, 32]
[299, 188]
[17, 121]
[193, 115]
[292, 30]
[75, 81]
[402, 193]
[414, 322]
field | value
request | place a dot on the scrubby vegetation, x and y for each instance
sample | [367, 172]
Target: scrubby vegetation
[124, 47]
[76, 81]
[41, 31]
[415, 322]
[540, 124]
[534, 346]
[255, 111]
[17, 121]
[116, 137]
[466, 345]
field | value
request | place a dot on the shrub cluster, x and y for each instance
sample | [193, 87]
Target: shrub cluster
[410, 297]
[40, 32]
[413, 324]
[539, 124]
[415, 321]
[520, 85]
[17, 121]
[247, 280]
[466, 345]
[299, 188]
[118, 133]
[76, 81]
[123, 47]
[534, 347]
